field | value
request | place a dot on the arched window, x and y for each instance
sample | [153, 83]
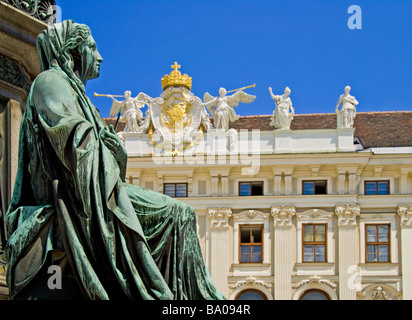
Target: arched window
[251, 294]
[314, 294]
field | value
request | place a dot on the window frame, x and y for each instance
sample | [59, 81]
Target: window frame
[376, 189]
[314, 181]
[377, 243]
[240, 244]
[314, 243]
[251, 182]
[175, 184]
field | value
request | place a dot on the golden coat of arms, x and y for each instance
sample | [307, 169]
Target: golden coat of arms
[177, 118]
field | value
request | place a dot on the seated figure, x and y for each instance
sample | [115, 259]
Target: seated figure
[71, 208]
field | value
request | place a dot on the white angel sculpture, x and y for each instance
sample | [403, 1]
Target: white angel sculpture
[130, 108]
[282, 118]
[222, 108]
[347, 115]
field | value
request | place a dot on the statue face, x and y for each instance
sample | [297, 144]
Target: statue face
[287, 91]
[222, 92]
[92, 57]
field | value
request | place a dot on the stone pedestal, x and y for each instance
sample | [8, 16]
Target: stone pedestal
[19, 64]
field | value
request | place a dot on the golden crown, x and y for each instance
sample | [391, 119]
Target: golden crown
[176, 78]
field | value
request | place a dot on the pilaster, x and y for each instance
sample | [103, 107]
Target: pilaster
[283, 251]
[405, 215]
[348, 249]
[218, 243]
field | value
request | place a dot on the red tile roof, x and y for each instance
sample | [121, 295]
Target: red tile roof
[374, 129]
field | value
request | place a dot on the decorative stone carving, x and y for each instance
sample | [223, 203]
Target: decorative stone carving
[219, 217]
[405, 214]
[315, 281]
[379, 292]
[12, 73]
[251, 281]
[282, 216]
[222, 108]
[347, 214]
[346, 116]
[251, 215]
[314, 214]
[43, 10]
[175, 121]
[282, 118]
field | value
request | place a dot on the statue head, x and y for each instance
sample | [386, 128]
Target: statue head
[70, 47]
[347, 89]
[287, 91]
[127, 94]
[222, 92]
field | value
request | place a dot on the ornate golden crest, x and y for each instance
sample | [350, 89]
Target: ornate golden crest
[177, 118]
[176, 114]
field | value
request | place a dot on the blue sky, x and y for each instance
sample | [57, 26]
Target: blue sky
[303, 44]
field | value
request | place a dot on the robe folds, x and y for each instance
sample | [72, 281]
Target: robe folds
[71, 208]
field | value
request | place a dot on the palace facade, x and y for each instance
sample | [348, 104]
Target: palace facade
[314, 212]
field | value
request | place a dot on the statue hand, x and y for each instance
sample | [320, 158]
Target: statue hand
[113, 143]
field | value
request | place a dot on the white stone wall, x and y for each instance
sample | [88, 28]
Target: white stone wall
[283, 209]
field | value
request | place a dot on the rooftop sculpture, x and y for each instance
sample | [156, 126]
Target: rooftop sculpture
[284, 112]
[346, 116]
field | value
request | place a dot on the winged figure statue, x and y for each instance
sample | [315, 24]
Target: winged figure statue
[222, 108]
[131, 110]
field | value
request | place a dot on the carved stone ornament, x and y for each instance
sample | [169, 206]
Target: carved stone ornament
[251, 281]
[314, 214]
[315, 281]
[251, 215]
[282, 216]
[405, 214]
[219, 217]
[12, 73]
[176, 120]
[347, 214]
[43, 10]
[379, 292]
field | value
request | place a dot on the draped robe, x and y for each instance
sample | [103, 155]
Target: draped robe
[71, 208]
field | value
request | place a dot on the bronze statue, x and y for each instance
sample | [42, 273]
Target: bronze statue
[71, 207]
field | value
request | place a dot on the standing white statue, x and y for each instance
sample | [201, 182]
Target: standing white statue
[347, 115]
[222, 108]
[130, 107]
[282, 118]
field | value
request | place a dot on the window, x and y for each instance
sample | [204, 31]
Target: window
[376, 187]
[251, 243]
[314, 294]
[314, 243]
[251, 188]
[251, 294]
[175, 189]
[314, 187]
[377, 242]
